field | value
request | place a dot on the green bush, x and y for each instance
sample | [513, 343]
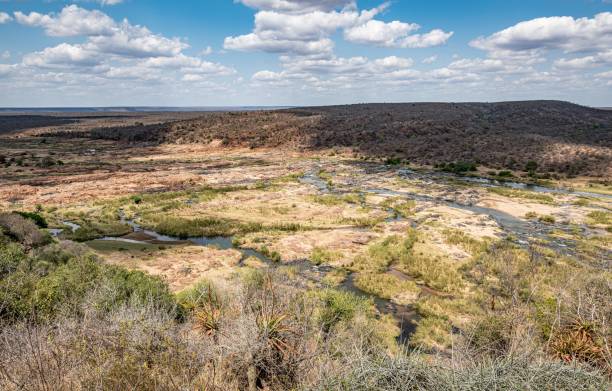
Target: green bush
[393, 161]
[11, 255]
[58, 279]
[35, 217]
[340, 306]
[531, 166]
[458, 167]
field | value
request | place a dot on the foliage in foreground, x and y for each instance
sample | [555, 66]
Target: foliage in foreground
[67, 321]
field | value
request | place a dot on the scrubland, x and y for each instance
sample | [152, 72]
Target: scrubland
[166, 266]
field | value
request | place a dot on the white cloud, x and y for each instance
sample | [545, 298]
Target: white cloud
[110, 2]
[430, 60]
[305, 33]
[280, 28]
[488, 65]
[297, 5]
[393, 62]
[207, 51]
[104, 34]
[111, 50]
[136, 41]
[62, 55]
[395, 34]
[592, 61]
[557, 32]
[71, 21]
[6, 55]
[253, 42]
[6, 69]
[4, 17]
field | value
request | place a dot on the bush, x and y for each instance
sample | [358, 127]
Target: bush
[46, 162]
[22, 230]
[35, 217]
[340, 306]
[11, 255]
[459, 167]
[393, 161]
[531, 166]
[59, 277]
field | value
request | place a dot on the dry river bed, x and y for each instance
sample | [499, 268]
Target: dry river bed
[338, 207]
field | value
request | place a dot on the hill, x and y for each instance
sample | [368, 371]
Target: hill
[559, 136]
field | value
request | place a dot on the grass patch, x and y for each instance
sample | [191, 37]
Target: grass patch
[335, 277]
[523, 194]
[465, 241]
[334, 200]
[386, 286]
[320, 256]
[599, 217]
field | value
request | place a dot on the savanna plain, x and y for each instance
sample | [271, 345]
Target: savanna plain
[367, 247]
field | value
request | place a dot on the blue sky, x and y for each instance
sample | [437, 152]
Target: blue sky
[302, 52]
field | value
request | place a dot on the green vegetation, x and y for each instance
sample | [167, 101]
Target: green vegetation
[459, 238]
[340, 306]
[547, 219]
[393, 161]
[599, 217]
[458, 167]
[531, 166]
[320, 256]
[333, 200]
[527, 195]
[35, 217]
[59, 278]
[386, 286]
[399, 206]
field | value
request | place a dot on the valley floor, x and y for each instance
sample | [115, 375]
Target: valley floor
[435, 253]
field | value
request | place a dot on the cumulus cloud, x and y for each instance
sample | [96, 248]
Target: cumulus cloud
[111, 49]
[71, 21]
[305, 28]
[430, 60]
[557, 32]
[297, 5]
[395, 34]
[4, 17]
[603, 58]
[62, 55]
[304, 33]
[341, 72]
[488, 65]
[104, 34]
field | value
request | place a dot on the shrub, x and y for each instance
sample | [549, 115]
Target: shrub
[547, 219]
[11, 255]
[340, 306]
[46, 162]
[387, 286]
[320, 255]
[531, 166]
[23, 230]
[393, 161]
[459, 167]
[35, 217]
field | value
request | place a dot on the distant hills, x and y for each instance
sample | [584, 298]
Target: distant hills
[559, 136]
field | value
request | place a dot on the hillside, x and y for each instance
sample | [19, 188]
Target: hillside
[559, 136]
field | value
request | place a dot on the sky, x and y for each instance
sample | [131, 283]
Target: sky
[79, 53]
